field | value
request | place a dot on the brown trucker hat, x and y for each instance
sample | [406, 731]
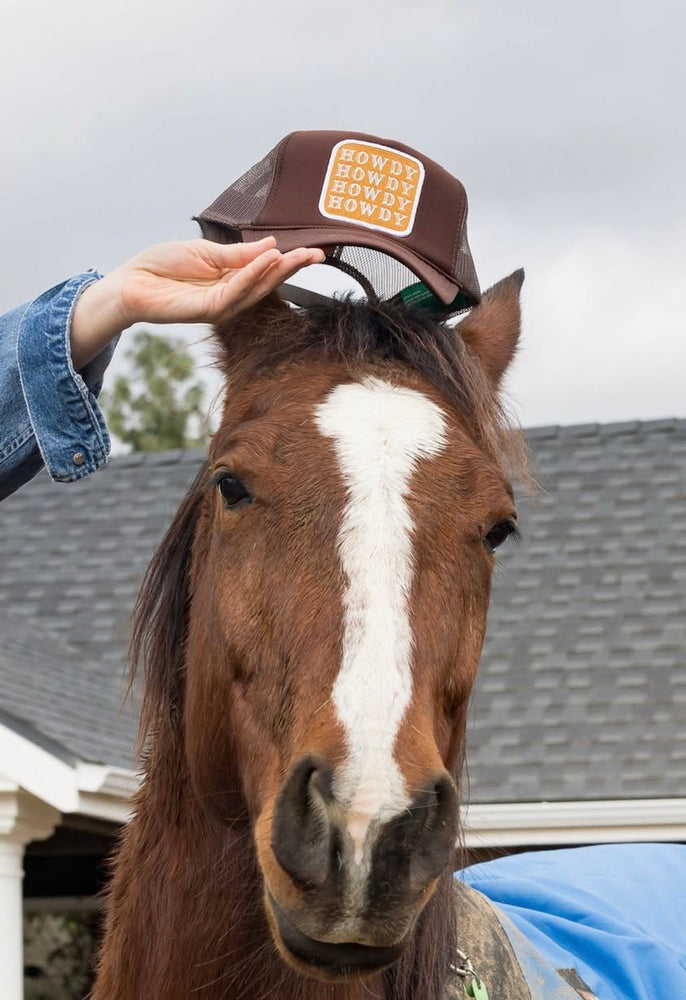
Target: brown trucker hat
[382, 212]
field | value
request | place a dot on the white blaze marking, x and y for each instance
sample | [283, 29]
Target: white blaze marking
[379, 432]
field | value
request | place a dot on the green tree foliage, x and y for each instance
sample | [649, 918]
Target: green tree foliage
[158, 404]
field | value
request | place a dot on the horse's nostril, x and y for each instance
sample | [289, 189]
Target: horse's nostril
[301, 828]
[440, 830]
[445, 805]
[416, 846]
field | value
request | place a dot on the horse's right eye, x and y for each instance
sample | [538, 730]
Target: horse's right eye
[233, 492]
[499, 533]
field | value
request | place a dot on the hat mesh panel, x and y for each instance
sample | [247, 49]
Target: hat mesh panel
[242, 203]
[465, 272]
[386, 274]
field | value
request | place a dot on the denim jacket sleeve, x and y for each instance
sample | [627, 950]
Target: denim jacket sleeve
[48, 412]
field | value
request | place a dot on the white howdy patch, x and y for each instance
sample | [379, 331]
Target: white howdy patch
[379, 431]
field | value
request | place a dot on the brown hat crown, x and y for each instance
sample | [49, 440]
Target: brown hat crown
[383, 212]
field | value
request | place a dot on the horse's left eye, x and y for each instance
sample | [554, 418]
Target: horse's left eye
[232, 490]
[499, 533]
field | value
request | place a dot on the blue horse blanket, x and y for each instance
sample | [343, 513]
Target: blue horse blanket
[615, 913]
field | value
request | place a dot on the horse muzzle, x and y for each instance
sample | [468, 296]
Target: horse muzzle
[333, 910]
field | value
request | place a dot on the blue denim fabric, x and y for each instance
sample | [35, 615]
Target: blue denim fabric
[48, 412]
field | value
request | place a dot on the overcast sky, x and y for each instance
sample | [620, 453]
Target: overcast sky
[565, 122]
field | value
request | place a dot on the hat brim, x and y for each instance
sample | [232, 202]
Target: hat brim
[444, 287]
[440, 284]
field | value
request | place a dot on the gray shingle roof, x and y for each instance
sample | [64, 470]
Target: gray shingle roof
[582, 689]
[71, 562]
[57, 698]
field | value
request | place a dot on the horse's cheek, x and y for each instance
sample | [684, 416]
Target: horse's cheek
[212, 763]
[210, 743]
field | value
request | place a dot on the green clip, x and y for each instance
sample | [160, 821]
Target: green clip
[477, 989]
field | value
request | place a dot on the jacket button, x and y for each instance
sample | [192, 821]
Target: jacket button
[79, 458]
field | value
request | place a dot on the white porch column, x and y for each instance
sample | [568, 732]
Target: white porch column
[23, 818]
[11, 933]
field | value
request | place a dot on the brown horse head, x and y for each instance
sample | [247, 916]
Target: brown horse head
[316, 667]
[341, 576]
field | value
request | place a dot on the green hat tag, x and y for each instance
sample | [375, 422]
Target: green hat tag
[419, 296]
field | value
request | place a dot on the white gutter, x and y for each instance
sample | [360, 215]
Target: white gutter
[516, 824]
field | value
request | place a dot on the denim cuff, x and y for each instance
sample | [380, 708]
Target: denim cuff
[69, 427]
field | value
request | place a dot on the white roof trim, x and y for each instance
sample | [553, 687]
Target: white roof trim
[87, 789]
[529, 823]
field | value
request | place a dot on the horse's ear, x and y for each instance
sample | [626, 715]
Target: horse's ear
[492, 328]
[233, 336]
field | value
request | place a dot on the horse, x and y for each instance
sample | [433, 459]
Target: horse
[309, 633]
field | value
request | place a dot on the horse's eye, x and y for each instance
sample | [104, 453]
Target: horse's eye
[233, 491]
[498, 534]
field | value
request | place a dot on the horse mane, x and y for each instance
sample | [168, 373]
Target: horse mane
[160, 621]
[359, 333]
[253, 346]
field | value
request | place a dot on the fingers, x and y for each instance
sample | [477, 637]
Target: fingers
[235, 255]
[265, 273]
[226, 256]
[230, 256]
[280, 271]
[288, 264]
[198, 281]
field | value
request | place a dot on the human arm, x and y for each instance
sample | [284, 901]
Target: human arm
[55, 349]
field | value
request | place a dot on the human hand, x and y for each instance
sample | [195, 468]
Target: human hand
[200, 282]
[195, 281]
